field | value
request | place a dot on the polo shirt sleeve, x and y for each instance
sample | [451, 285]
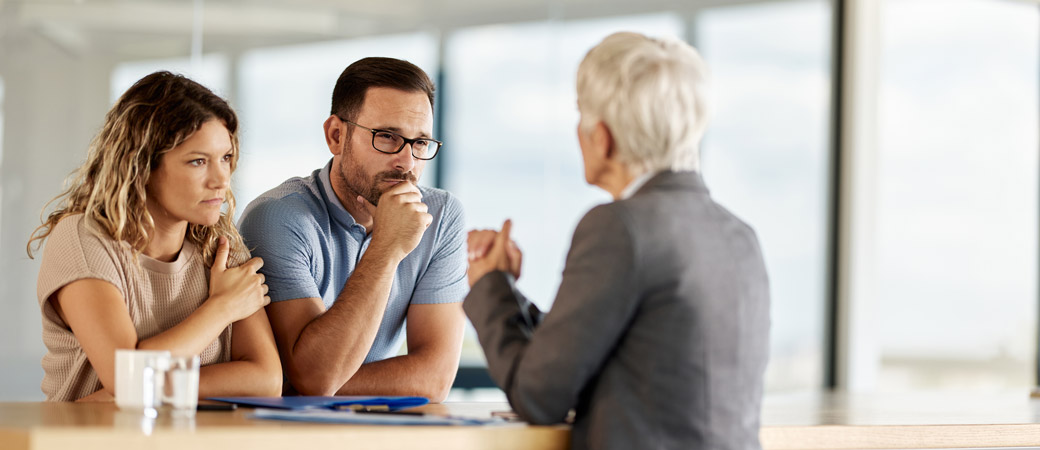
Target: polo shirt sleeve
[286, 240]
[445, 278]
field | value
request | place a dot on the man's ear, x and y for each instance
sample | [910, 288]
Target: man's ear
[603, 141]
[333, 134]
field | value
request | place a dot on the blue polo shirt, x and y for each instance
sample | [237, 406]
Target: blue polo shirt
[311, 244]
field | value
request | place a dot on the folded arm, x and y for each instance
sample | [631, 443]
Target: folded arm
[428, 370]
[96, 312]
[254, 369]
[322, 349]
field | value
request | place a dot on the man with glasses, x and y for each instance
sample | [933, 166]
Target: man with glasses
[356, 248]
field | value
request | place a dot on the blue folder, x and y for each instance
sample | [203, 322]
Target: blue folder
[333, 402]
[350, 417]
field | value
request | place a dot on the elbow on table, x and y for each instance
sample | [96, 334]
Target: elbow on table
[539, 406]
[316, 382]
[264, 379]
[536, 416]
[438, 384]
[539, 417]
[271, 384]
[314, 389]
[438, 392]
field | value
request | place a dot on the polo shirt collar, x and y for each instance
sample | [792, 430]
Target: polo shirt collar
[336, 209]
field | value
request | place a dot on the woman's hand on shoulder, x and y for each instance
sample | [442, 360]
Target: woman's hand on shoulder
[240, 291]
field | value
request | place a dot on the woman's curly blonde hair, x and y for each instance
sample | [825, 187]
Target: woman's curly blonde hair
[155, 115]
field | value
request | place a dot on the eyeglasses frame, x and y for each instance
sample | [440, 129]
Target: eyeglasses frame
[406, 141]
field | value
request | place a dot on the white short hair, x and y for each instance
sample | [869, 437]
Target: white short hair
[652, 95]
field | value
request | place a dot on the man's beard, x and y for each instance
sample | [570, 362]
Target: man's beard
[375, 189]
[371, 188]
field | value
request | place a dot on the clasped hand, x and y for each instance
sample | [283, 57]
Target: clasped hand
[491, 250]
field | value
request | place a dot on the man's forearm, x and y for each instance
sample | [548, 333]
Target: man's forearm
[411, 375]
[333, 346]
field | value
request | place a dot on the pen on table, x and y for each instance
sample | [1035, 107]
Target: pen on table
[400, 413]
[375, 409]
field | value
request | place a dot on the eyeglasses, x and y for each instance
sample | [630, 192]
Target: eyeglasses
[392, 143]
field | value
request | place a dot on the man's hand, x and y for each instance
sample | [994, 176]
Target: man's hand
[399, 221]
[490, 251]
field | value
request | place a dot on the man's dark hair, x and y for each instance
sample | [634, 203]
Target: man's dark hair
[353, 83]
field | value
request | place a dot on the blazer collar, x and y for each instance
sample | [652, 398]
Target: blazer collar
[670, 180]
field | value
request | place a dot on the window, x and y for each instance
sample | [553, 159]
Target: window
[212, 72]
[957, 194]
[766, 157]
[1, 146]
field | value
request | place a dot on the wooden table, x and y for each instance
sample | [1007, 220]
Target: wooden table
[900, 421]
[101, 426]
[801, 421]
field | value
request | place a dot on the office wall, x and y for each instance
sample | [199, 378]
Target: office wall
[54, 101]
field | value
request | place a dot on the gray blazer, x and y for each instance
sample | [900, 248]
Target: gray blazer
[659, 334]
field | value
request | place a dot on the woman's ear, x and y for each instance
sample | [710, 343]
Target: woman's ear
[603, 141]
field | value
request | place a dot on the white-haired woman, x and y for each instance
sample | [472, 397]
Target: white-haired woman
[658, 337]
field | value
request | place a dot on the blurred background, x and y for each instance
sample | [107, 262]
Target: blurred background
[886, 151]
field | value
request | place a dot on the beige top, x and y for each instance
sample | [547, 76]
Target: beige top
[158, 296]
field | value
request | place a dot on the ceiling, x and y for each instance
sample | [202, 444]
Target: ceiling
[134, 28]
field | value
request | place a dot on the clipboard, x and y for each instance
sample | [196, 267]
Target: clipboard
[389, 403]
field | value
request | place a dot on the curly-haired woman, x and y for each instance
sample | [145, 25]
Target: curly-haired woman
[137, 252]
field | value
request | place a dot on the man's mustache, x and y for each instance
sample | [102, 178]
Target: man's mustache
[396, 175]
